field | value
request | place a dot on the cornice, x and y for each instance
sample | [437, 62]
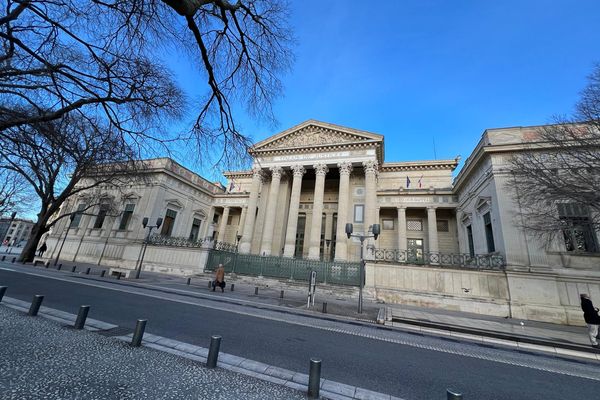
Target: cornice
[420, 165]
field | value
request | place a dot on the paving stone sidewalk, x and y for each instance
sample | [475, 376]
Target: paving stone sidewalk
[44, 360]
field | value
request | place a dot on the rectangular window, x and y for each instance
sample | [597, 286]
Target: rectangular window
[167, 227]
[470, 240]
[388, 224]
[127, 213]
[442, 225]
[359, 211]
[578, 232]
[77, 216]
[195, 230]
[101, 216]
[414, 225]
[489, 232]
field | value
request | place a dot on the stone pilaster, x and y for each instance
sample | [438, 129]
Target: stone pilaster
[223, 224]
[315, 228]
[328, 234]
[401, 228]
[206, 231]
[341, 245]
[432, 230]
[267, 239]
[371, 168]
[246, 241]
[290, 234]
[240, 229]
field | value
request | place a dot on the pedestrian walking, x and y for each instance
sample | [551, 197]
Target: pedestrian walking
[42, 249]
[219, 278]
[591, 317]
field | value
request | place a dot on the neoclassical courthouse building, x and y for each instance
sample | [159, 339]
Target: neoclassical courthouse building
[444, 242]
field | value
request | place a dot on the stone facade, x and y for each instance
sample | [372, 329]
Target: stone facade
[307, 182]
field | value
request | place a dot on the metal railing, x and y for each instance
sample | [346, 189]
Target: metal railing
[328, 272]
[459, 260]
[178, 241]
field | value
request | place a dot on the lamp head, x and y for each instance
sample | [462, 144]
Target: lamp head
[145, 222]
[158, 223]
[376, 230]
[349, 229]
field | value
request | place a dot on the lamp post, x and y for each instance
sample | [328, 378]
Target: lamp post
[138, 268]
[71, 218]
[375, 230]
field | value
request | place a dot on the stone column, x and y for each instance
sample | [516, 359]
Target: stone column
[223, 224]
[432, 230]
[328, 234]
[290, 234]
[315, 227]
[240, 228]
[341, 241]
[246, 242]
[401, 228]
[209, 219]
[370, 193]
[267, 239]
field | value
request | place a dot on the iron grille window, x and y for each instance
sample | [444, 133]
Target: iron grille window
[101, 216]
[414, 225]
[167, 227]
[578, 232]
[196, 223]
[489, 232]
[77, 216]
[442, 225]
[470, 240]
[127, 213]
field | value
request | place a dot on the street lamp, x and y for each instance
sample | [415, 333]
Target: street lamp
[375, 230]
[71, 218]
[138, 267]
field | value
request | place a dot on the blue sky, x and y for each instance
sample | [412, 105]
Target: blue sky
[423, 69]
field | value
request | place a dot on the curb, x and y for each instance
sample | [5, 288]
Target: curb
[330, 390]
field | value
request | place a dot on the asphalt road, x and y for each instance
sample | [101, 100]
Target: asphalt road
[400, 370]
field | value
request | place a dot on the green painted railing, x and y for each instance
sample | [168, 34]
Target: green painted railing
[328, 272]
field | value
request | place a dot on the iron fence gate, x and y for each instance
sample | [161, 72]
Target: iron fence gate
[328, 272]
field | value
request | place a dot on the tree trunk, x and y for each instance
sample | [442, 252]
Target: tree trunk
[30, 248]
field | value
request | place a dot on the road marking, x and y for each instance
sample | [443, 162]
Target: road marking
[8, 269]
[325, 325]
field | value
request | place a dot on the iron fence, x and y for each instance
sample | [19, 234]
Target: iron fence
[459, 260]
[328, 272]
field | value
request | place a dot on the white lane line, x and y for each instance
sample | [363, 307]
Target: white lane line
[314, 323]
[9, 269]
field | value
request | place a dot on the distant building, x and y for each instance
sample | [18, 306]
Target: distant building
[446, 243]
[15, 233]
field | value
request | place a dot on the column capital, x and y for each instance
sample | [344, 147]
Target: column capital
[257, 173]
[276, 172]
[299, 170]
[432, 208]
[371, 166]
[321, 169]
[345, 168]
[401, 207]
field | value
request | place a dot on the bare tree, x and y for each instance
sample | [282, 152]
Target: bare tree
[556, 179]
[63, 159]
[15, 195]
[100, 58]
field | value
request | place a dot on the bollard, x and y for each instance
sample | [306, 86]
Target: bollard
[256, 290]
[314, 378]
[81, 317]
[189, 280]
[35, 305]
[59, 267]
[87, 271]
[138, 334]
[102, 273]
[213, 351]
[14, 259]
[325, 308]
[232, 286]
[281, 295]
[451, 395]
[2, 291]
[74, 268]
[3, 258]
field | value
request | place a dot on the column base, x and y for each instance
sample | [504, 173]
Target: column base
[289, 250]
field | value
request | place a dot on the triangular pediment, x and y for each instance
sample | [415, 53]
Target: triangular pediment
[316, 134]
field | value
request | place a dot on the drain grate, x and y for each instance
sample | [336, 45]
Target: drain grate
[117, 331]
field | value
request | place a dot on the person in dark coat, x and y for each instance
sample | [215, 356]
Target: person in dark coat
[591, 317]
[42, 249]
[219, 278]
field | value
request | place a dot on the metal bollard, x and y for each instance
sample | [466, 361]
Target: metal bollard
[102, 273]
[35, 305]
[281, 295]
[314, 378]
[232, 286]
[87, 271]
[213, 351]
[324, 308]
[2, 291]
[81, 317]
[59, 267]
[14, 259]
[74, 268]
[189, 281]
[138, 334]
[451, 395]
[256, 290]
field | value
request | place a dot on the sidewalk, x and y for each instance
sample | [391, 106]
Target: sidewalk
[343, 302]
